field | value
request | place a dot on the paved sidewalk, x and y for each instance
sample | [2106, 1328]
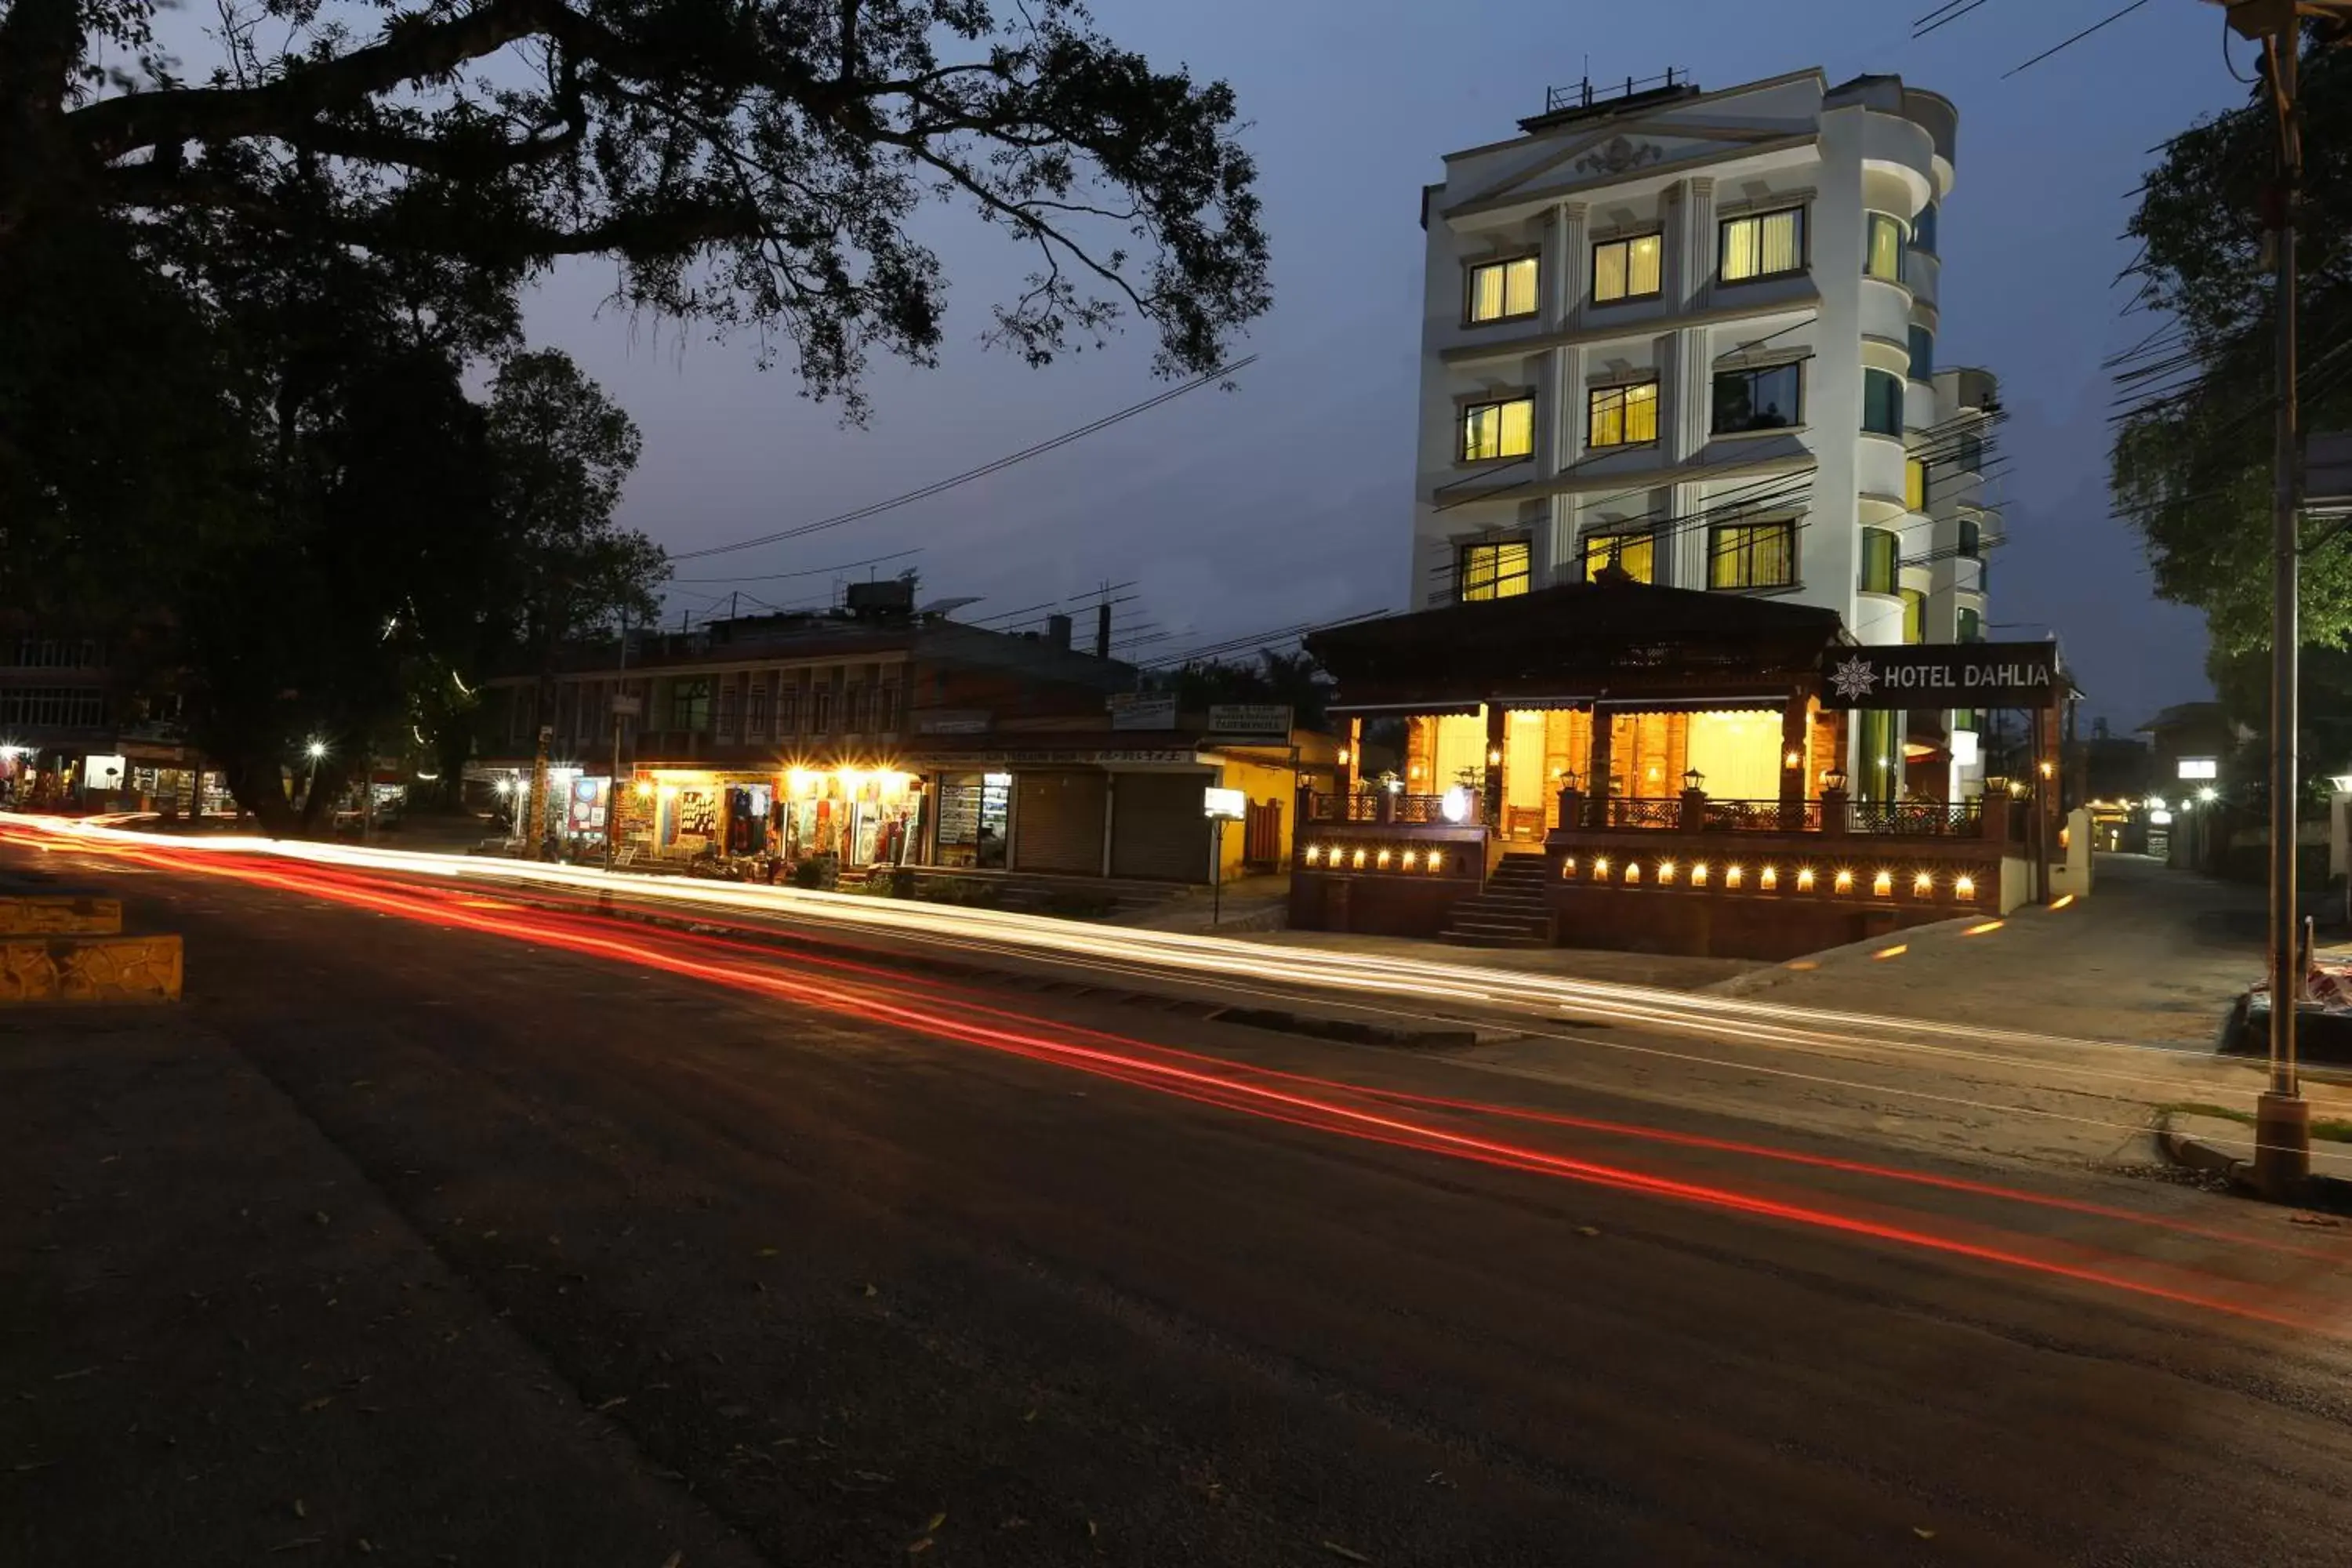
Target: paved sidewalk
[2152, 956]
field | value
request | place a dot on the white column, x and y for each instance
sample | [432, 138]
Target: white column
[1570, 259]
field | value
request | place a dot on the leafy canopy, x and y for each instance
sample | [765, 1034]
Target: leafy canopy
[748, 164]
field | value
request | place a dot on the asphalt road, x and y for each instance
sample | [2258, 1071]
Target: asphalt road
[419, 1226]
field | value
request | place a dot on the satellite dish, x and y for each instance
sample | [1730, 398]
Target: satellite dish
[941, 607]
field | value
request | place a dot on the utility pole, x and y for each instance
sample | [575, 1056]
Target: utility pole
[2282, 1116]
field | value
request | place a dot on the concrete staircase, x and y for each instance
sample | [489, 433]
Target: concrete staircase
[1510, 912]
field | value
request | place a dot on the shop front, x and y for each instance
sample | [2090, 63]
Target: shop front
[766, 822]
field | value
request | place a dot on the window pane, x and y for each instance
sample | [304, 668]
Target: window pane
[1480, 425]
[1914, 616]
[1608, 420]
[1914, 484]
[1510, 569]
[1636, 555]
[1882, 403]
[1520, 287]
[1486, 293]
[1609, 271]
[1971, 537]
[1882, 253]
[1641, 269]
[1972, 626]
[1493, 571]
[1878, 559]
[1734, 407]
[1923, 355]
[1642, 412]
[1518, 428]
[1923, 229]
[1740, 249]
[1781, 246]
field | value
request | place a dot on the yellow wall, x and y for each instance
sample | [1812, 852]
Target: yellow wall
[1261, 782]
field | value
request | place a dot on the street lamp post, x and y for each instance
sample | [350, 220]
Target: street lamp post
[314, 751]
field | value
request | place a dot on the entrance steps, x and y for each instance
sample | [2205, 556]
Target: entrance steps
[1510, 912]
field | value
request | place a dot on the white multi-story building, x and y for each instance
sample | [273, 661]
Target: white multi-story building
[1694, 334]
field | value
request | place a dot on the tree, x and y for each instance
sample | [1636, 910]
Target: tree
[756, 165]
[1292, 680]
[2192, 456]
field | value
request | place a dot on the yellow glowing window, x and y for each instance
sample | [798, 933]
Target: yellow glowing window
[1502, 290]
[1637, 554]
[1764, 245]
[1623, 415]
[1752, 554]
[1881, 255]
[1495, 571]
[1492, 430]
[1914, 484]
[1914, 616]
[1626, 269]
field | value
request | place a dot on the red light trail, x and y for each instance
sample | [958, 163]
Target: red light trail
[1295, 1100]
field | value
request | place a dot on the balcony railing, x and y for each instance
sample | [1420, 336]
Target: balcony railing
[1366, 807]
[1913, 818]
[1761, 816]
[1916, 817]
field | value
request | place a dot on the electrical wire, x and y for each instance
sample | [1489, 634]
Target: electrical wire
[809, 572]
[2113, 16]
[940, 486]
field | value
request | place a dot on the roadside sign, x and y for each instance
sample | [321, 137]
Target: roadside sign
[1142, 711]
[1223, 804]
[1249, 718]
[628, 707]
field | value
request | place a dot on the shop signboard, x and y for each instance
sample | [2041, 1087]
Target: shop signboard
[587, 806]
[1943, 675]
[1142, 711]
[1223, 804]
[1250, 719]
[626, 707]
[953, 721]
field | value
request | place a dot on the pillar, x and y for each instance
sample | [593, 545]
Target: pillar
[1351, 758]
[1497, 736]
[1796, 732]
[1600, 765]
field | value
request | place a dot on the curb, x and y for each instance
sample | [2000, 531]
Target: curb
[1281, 1020]
[2332, 1194]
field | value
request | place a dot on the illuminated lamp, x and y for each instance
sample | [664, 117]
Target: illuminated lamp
[1601, 867]
[506, 786]
[1699, 874]
[1415, 770]
[1358, 862]
[1770, 880]
[645, 790]
[1382, 861]
[1314, 852]
[1436, 862]
[1409, 859]
[1923, 883]
[1494, 756]
[1567, 866]
[1966, 888]
[852, 779]
[1693, 781]
[1792, 759]
[1882, 886]
[1633, 873]
[1834, 778]
[1805, 879]
[800, 782]
[1842, 882]
[1665, 871]
[2047, 768]
[1732, 875]
[1455, 805]
[1344, 754]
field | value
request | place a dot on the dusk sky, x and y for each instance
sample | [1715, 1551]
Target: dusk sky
[1289, 498]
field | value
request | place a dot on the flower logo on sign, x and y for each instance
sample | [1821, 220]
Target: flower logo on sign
[1853, 679]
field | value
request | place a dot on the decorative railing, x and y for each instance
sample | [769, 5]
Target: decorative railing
[1365, 806]
[1632, 811]
[1916, 817]
[1761, 816]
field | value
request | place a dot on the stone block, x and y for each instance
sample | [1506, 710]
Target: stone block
[89, 969]
[60, 914]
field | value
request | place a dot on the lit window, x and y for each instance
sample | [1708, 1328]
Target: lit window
[1882, 403]
[1502, 290]
[1915, 485]
[1766, 399]
[1623, 415]
[1636, 553]
[1752, 554]
[1763, 246]
[1881, 255]
[1879, 555]
[1914, 616]
[1496, 571]
[1625, 269]
[1506, 429]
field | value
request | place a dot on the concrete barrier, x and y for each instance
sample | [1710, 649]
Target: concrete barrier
[60, 914]
[89, 969]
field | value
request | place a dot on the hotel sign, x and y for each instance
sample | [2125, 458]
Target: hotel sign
[1942, 675]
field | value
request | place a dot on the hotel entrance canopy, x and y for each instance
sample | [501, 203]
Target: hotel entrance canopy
[1581, 644]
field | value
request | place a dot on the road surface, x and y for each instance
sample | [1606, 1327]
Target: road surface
[489, 1235]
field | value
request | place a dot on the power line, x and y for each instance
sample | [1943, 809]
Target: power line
[999, 465]
[2115, 16]
[1928, 24]
[810, 572]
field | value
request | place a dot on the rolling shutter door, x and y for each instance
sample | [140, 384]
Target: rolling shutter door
[1057, 823]
[1157, 829]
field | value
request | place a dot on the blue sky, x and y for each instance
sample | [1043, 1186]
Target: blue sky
[1289, 498]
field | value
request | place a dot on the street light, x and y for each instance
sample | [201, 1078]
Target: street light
[314, 751]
